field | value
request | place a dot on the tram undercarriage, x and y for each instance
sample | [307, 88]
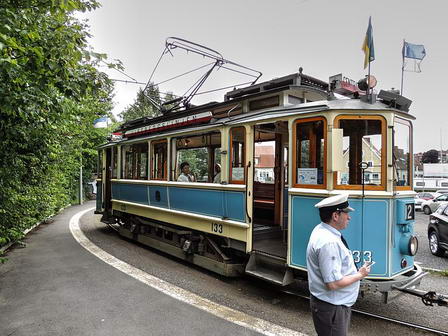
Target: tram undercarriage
[220, 255]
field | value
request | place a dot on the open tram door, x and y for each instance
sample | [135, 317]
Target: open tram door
[269, 183]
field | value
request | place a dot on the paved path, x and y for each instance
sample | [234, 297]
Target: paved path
[56, 287]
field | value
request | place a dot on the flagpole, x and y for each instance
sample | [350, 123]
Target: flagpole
[369, 94]
[402, 67]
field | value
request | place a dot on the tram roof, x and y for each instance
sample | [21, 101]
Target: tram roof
[312, 107]
[222, 113]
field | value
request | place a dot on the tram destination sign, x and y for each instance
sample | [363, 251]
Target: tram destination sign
[174, 123]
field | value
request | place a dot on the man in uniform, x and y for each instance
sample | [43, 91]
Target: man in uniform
[332, 275]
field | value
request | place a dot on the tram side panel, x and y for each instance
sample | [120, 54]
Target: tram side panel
[371, 235]
[145, 200]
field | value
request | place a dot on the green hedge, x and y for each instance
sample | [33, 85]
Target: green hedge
[50, 94]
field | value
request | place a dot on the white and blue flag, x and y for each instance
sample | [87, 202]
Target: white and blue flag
[414, 51]
[413, 55]
[102, 122]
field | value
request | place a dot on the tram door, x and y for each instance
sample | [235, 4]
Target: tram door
[270, 143]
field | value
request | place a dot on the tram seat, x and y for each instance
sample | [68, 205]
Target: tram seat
[264, 195]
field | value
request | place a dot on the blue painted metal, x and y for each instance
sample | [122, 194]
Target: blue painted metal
[136, 193]
[235, 205]
[217, 203]
[402, 231]
[369, 238]
[158, 196]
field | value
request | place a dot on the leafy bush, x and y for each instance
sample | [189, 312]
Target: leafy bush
[50, 94]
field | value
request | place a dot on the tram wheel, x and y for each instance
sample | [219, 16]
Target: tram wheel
[434, 245]
[427, 210]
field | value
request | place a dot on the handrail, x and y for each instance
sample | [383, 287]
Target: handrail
[247, 184]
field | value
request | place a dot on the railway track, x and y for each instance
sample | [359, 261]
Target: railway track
[356, 311]
[380, 317]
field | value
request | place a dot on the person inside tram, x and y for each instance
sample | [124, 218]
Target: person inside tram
[217, 178]
[186, 175]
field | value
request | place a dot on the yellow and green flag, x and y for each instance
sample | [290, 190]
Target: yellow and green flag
[367, 46]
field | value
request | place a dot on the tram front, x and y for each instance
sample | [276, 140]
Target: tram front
[365, 151]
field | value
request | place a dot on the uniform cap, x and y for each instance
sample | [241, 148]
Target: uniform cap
[335, 203]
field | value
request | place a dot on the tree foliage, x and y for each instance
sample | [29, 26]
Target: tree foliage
[431, 156]
[143, 105]
[50, 93]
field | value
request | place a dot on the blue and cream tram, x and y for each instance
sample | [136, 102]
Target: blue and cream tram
[262, 159]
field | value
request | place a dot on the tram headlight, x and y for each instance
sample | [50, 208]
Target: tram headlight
[413, 245]
[409, 245]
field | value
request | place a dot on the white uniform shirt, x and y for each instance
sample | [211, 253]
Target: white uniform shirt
[329, 260]
[185, 178]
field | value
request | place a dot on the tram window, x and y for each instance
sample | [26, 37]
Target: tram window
[114, 161]
[401, 152]
[135, 161]
[202, 152]
[362, 142]
[159, 158]
[310, 152]
[238, 148]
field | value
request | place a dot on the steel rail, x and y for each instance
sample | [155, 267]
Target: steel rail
[380, 317]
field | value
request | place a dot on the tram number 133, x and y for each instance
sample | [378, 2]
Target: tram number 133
[366, 256]
[217, 228]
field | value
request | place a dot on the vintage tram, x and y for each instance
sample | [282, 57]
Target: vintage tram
[263, 157]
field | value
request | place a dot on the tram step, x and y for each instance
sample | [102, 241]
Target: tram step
[264, 232]
[270, 268]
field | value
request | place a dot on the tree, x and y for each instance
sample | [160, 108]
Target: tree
[50, 93]
[143, 105]
[431, 156]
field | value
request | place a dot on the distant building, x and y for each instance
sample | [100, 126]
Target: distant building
[264, 163]
[372, 156]
[432, 177]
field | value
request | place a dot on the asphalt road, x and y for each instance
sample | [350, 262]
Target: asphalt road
[55, 287]
[260, 299]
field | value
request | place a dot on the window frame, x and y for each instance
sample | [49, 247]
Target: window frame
[114, 162]
[135, 168]
[231, 180]
[294, 153]
[384, 151]
[406, 122]
[165, 165]
[211, 154]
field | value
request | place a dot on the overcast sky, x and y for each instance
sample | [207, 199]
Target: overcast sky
[277, 37]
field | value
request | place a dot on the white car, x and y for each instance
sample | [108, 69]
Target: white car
[429, 206]
[418, 203]
[423, 196]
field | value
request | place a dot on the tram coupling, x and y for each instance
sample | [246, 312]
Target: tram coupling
[429, 298]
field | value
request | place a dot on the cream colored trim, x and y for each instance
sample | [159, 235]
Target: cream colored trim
[225, 158]
[189, 214]
[118, 158]
[190, 185]
[306, 191]
[249, 180]
[351, 193]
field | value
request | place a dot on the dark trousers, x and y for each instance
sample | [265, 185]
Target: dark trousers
[329, 319]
